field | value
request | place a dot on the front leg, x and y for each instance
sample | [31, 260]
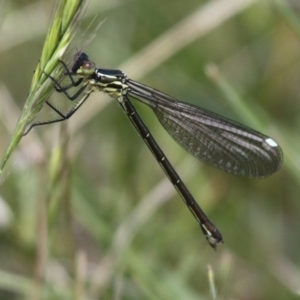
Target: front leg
[64, 89]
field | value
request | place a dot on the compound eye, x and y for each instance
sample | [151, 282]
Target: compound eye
[80, 57]
[88, 67]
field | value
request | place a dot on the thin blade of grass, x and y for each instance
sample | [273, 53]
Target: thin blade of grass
[58, 39]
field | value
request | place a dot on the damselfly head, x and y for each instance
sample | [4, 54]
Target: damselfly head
[83, 65]
[80, 56]
[87, 68]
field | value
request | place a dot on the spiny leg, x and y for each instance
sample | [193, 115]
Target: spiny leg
[63, 116]
[64, 89]
[68, 73]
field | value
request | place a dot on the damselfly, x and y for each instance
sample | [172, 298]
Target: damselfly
[209, 137]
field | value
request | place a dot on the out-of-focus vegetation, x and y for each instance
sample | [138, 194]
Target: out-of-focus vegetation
[86, 212]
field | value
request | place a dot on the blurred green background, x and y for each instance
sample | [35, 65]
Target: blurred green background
[86, 212]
